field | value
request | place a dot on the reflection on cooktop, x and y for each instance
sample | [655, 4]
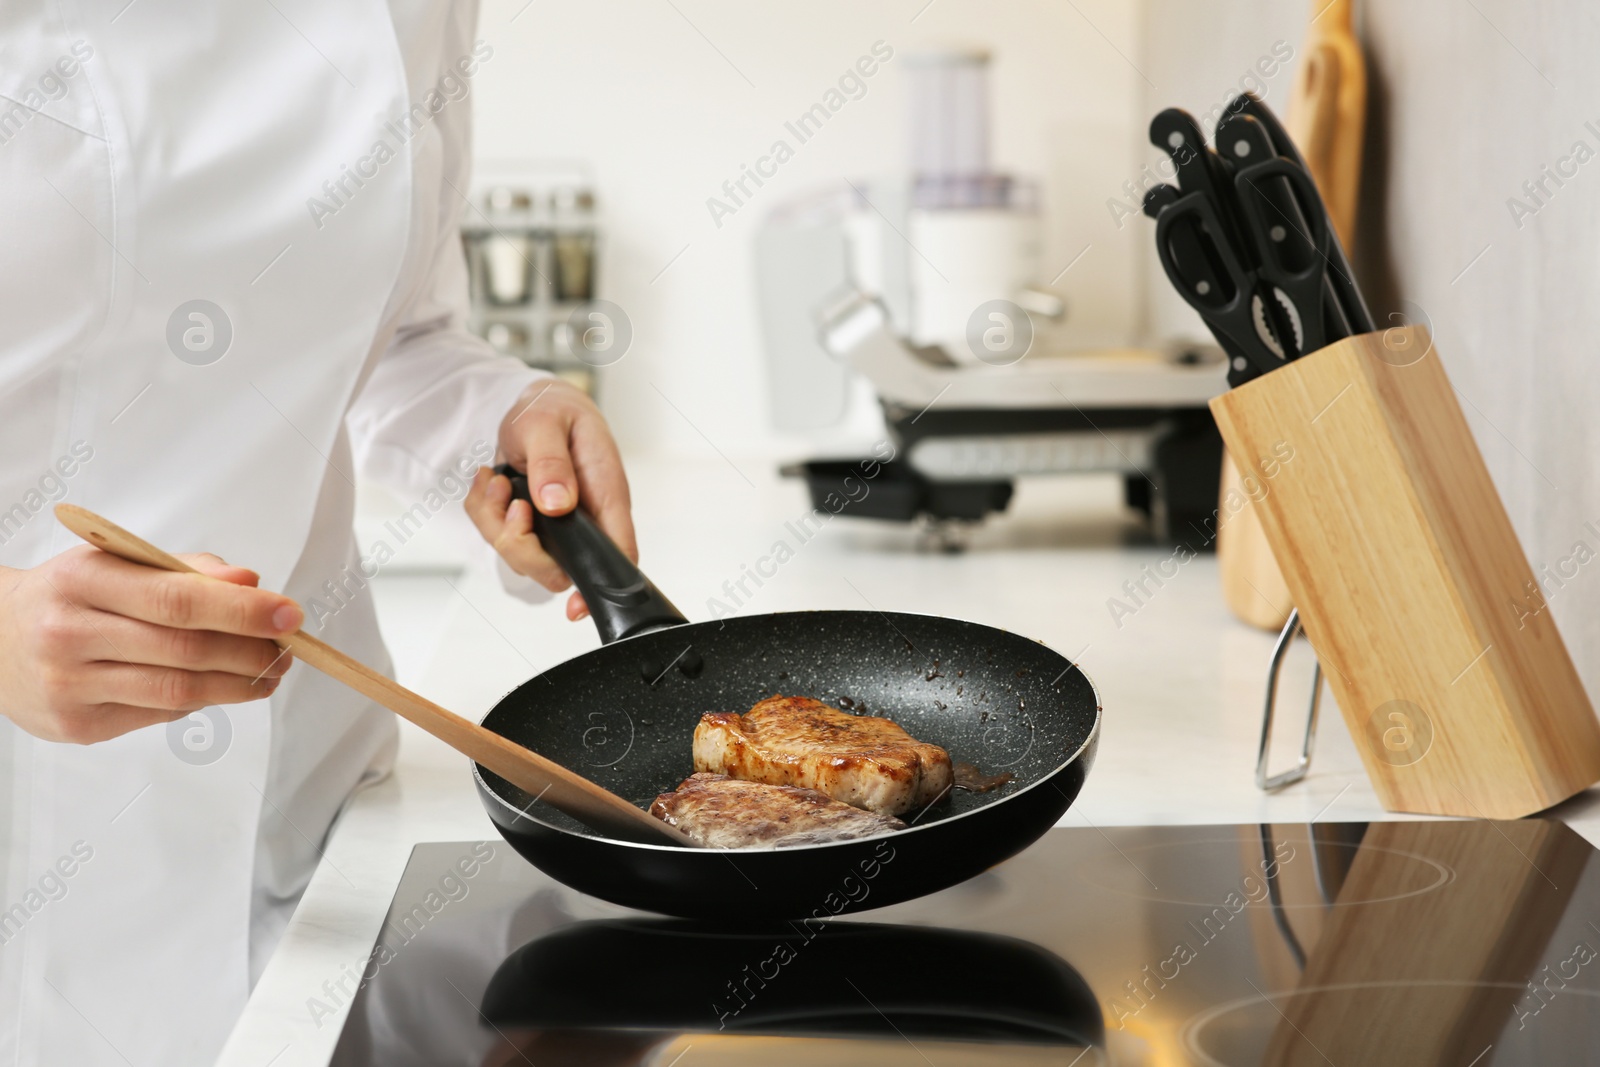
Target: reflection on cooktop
[1408, 943]
[1125, 874]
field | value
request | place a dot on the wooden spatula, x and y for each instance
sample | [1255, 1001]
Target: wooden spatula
[551, 783]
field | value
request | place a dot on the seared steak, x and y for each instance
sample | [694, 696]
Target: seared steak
[862, 760]
[722, 812]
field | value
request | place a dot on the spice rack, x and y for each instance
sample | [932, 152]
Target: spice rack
[531, 240]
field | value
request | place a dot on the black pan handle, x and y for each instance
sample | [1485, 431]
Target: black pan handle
[622, 601]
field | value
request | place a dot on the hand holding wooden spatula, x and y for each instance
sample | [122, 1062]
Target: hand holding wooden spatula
[550, 782]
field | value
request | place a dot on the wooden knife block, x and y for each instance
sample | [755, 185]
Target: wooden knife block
[1423, 610]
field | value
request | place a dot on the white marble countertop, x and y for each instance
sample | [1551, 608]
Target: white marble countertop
[1180, 679]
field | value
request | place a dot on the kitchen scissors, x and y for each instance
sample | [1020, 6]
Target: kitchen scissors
[1212, 279]
[1246, 241]
[1288, 234]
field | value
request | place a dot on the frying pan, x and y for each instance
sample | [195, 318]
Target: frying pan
[624, 716]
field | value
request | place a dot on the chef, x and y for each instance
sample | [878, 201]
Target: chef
[231, 284]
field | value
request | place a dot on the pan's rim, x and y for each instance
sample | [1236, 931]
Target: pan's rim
[1094, 732]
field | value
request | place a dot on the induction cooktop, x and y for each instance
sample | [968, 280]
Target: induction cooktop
[1472, 944]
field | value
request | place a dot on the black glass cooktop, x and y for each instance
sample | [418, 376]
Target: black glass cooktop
[1459, 944]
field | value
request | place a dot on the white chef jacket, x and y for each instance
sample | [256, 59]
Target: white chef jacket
[154, 154]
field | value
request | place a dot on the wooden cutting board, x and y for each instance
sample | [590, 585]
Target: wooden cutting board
[1327, 111]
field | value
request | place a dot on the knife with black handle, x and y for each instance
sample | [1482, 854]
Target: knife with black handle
[1351, 305]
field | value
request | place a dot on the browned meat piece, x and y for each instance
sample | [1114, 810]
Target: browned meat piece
[722, 812]
[860, 759]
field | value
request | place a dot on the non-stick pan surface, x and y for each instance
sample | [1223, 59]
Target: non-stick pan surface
[624, 716]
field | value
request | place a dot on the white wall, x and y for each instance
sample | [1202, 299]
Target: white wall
[639, 89]
[1196, 57]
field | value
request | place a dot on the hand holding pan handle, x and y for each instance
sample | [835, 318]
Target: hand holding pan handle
[622, 601]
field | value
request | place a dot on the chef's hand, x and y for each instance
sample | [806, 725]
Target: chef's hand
[92, 646]
[557, 435]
